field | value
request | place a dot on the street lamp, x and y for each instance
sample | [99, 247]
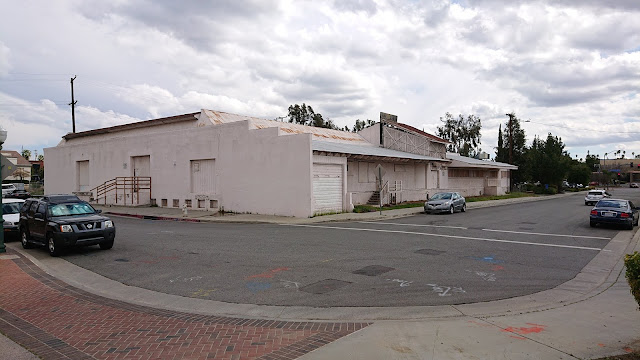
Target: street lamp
[3, 137]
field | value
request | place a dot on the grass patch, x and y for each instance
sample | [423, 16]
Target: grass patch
[371, 208]
[412, 204]
[499, 197]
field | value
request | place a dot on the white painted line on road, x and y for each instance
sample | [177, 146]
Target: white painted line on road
[505, 231]
[435, 226]
[449, 236]
[533, 233]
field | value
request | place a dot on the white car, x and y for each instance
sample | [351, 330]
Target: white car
[11, 215]
[593, 196]
[8, 189]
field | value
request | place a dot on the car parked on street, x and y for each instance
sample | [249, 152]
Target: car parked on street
[59, 221]
[445, 202]
[633, 185]
[8, 189]
[593, 196]
[11, 216]
[614, 211]
[18, 194]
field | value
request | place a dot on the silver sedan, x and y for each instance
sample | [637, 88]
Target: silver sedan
[445, 202]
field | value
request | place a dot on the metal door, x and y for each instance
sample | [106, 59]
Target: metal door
[141, 165]
[327, 188]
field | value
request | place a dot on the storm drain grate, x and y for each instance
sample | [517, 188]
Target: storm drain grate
[373, 270]
[324, 286]
[429, 252]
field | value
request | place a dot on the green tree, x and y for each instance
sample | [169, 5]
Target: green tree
[304, 115]
[361, 124]
[40, 157]
[593, 162]
[518, 151]
[26, 154]
[579, 173]
[463, 133]
[547, 161]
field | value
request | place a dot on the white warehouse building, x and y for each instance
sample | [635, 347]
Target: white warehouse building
[214, 161]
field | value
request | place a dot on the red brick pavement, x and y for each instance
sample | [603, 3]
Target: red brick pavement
[57, 321]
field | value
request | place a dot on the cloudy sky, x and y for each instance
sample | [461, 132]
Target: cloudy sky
[571, 68]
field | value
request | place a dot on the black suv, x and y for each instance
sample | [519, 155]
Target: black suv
[59, 221]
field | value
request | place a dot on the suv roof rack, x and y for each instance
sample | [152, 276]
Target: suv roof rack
[57, 199]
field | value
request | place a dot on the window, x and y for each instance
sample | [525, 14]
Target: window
[163, 202]
[187, 202]
[42, 209]
[176, 203]
[11, 208]
[34, 206]
[70, 209]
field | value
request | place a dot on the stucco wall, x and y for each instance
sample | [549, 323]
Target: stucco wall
[256, 171]
[467, 186]
[416, 178]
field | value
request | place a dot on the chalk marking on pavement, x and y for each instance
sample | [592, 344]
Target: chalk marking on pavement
[436, 226]
[505, 231]
[450, 236]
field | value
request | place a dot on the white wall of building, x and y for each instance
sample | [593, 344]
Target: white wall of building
[417, 180]
[256, 171]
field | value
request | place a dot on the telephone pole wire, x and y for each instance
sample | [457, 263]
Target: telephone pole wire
[73, 106]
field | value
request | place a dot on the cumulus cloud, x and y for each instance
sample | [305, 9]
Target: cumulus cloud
[569, 63]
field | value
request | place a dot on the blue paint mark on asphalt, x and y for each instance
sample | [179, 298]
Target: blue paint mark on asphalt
[256, 286]
[489, 259]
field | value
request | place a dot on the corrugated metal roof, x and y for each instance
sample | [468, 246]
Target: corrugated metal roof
[371, 150]
[471, 162]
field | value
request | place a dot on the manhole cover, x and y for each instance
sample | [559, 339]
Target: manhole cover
[429, 252]
[373, 270]
[122, 260]
[324, 286]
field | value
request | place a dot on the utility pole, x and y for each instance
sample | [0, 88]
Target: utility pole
[511, 116]
[73, 106]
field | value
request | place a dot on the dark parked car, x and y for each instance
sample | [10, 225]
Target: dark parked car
[445, 202]
[59, 221]
[18, 194]
[614, 211]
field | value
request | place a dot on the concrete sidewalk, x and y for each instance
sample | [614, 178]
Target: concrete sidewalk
[158, 213]
[590, 316]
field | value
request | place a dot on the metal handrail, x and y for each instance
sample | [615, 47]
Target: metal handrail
[127, 185]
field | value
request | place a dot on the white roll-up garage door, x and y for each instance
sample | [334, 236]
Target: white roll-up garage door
[327, 188]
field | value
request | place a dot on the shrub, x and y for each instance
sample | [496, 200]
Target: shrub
[364, 208]
[552, 190]
[632, 262]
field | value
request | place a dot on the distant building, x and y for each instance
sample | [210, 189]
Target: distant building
[22, 166]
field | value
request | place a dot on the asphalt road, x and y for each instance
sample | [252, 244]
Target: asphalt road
[481, 255]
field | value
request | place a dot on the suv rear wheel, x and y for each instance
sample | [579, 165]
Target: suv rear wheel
[24, 239]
